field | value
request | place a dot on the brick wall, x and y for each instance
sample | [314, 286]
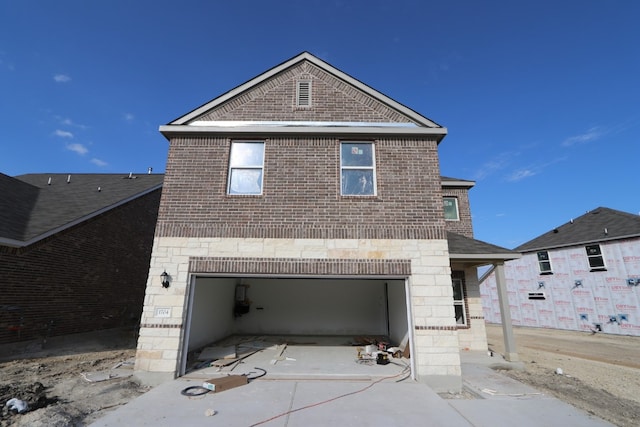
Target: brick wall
[89, 277]
[332, 100]
[464, 226]
[301, 192]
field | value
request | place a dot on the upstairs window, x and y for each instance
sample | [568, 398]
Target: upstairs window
[451, 209]
[357, 169]
[303, 93]
[544, 262]
[596, 260]
[246, 164]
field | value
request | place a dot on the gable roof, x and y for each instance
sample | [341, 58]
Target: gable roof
[35, 206]
[465, 249]
[416, 123]
[598, 225]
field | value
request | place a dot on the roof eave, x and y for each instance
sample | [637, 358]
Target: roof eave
[581, 243]
[262, 131]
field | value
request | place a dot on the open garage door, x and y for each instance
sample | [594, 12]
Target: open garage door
[220, 307]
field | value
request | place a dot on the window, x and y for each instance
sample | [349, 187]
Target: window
[544, 262]
[357, 164]
[303, 94]
[451, 209]
[245, 167]
[458, 302]
[594, 255]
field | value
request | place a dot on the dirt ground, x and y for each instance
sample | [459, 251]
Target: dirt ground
[52, 379]
[600, 373]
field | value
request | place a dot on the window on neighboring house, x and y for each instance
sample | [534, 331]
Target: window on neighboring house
[246, 163]
[357, 169]
[451, 209]
[544, 262]
[303, 93]
[459, 302]
[596, 260]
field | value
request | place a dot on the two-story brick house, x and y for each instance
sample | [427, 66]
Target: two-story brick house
[304, 202]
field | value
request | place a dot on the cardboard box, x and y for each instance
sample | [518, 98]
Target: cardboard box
[225, 383]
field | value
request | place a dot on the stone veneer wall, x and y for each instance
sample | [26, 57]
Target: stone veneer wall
[473, 337]
[436, 347]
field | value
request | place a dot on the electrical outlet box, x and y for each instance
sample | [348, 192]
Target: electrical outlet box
[632, 281]
[598, 327]
[584, 316]
[613, 319]
[577, 283]
[623, 317]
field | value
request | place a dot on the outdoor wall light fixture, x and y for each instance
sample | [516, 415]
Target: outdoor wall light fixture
[165, 279]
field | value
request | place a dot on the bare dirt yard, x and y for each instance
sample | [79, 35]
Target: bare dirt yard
[73, 381]
[68, 381]
[600, 373]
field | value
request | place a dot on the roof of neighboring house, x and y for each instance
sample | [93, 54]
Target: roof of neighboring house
[34, 206]
[191, 122]
[598, 225]
[471, 250]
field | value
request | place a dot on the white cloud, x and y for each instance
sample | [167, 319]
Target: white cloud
[61, 78]
[521, 174]
[63, 133]
[99, 162]
[498, 162]
[128, 117]
[588, 136]
[78, 148]
[69, 122]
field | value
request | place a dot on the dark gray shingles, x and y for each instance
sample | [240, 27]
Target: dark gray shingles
[588, 228]
[61, 202]
[460, 245]
[17, 200]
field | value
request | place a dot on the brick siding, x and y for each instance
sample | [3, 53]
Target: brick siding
[464, 226]
[89, 277]
[301, 192]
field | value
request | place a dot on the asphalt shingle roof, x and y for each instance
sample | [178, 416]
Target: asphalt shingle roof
[31, 205]
[461, 245]
[588, 228]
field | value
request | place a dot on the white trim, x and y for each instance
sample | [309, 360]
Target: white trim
[412, 348]
[458, 183]
[187, 326]
[320, 64]
[240, 123]
[457, 205]
[168, 130]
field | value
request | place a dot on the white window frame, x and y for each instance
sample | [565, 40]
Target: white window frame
[460, 303]
[372, 168]
[541, 261]
[232, 168]
[600, 255]
[457, 206]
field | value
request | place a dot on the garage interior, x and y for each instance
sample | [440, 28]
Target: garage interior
[319, 328]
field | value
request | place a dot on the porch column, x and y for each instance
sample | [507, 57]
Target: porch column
[510, 353]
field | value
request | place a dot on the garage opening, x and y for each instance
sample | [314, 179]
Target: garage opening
[297, 326]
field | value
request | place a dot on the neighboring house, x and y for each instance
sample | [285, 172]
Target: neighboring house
[74, 251]
[304, 202]
[582, 275]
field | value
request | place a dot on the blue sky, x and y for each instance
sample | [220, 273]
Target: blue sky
[541, 98]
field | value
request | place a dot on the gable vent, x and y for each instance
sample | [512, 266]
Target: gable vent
[303, 94]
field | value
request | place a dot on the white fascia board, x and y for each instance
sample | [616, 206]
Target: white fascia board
[465, 184]
[244, 123]
[168, 130]
[22, 244]
[583, 243]
[485, 257]
[418, 118]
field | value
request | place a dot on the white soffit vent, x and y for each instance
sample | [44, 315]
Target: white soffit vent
[303, 98]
